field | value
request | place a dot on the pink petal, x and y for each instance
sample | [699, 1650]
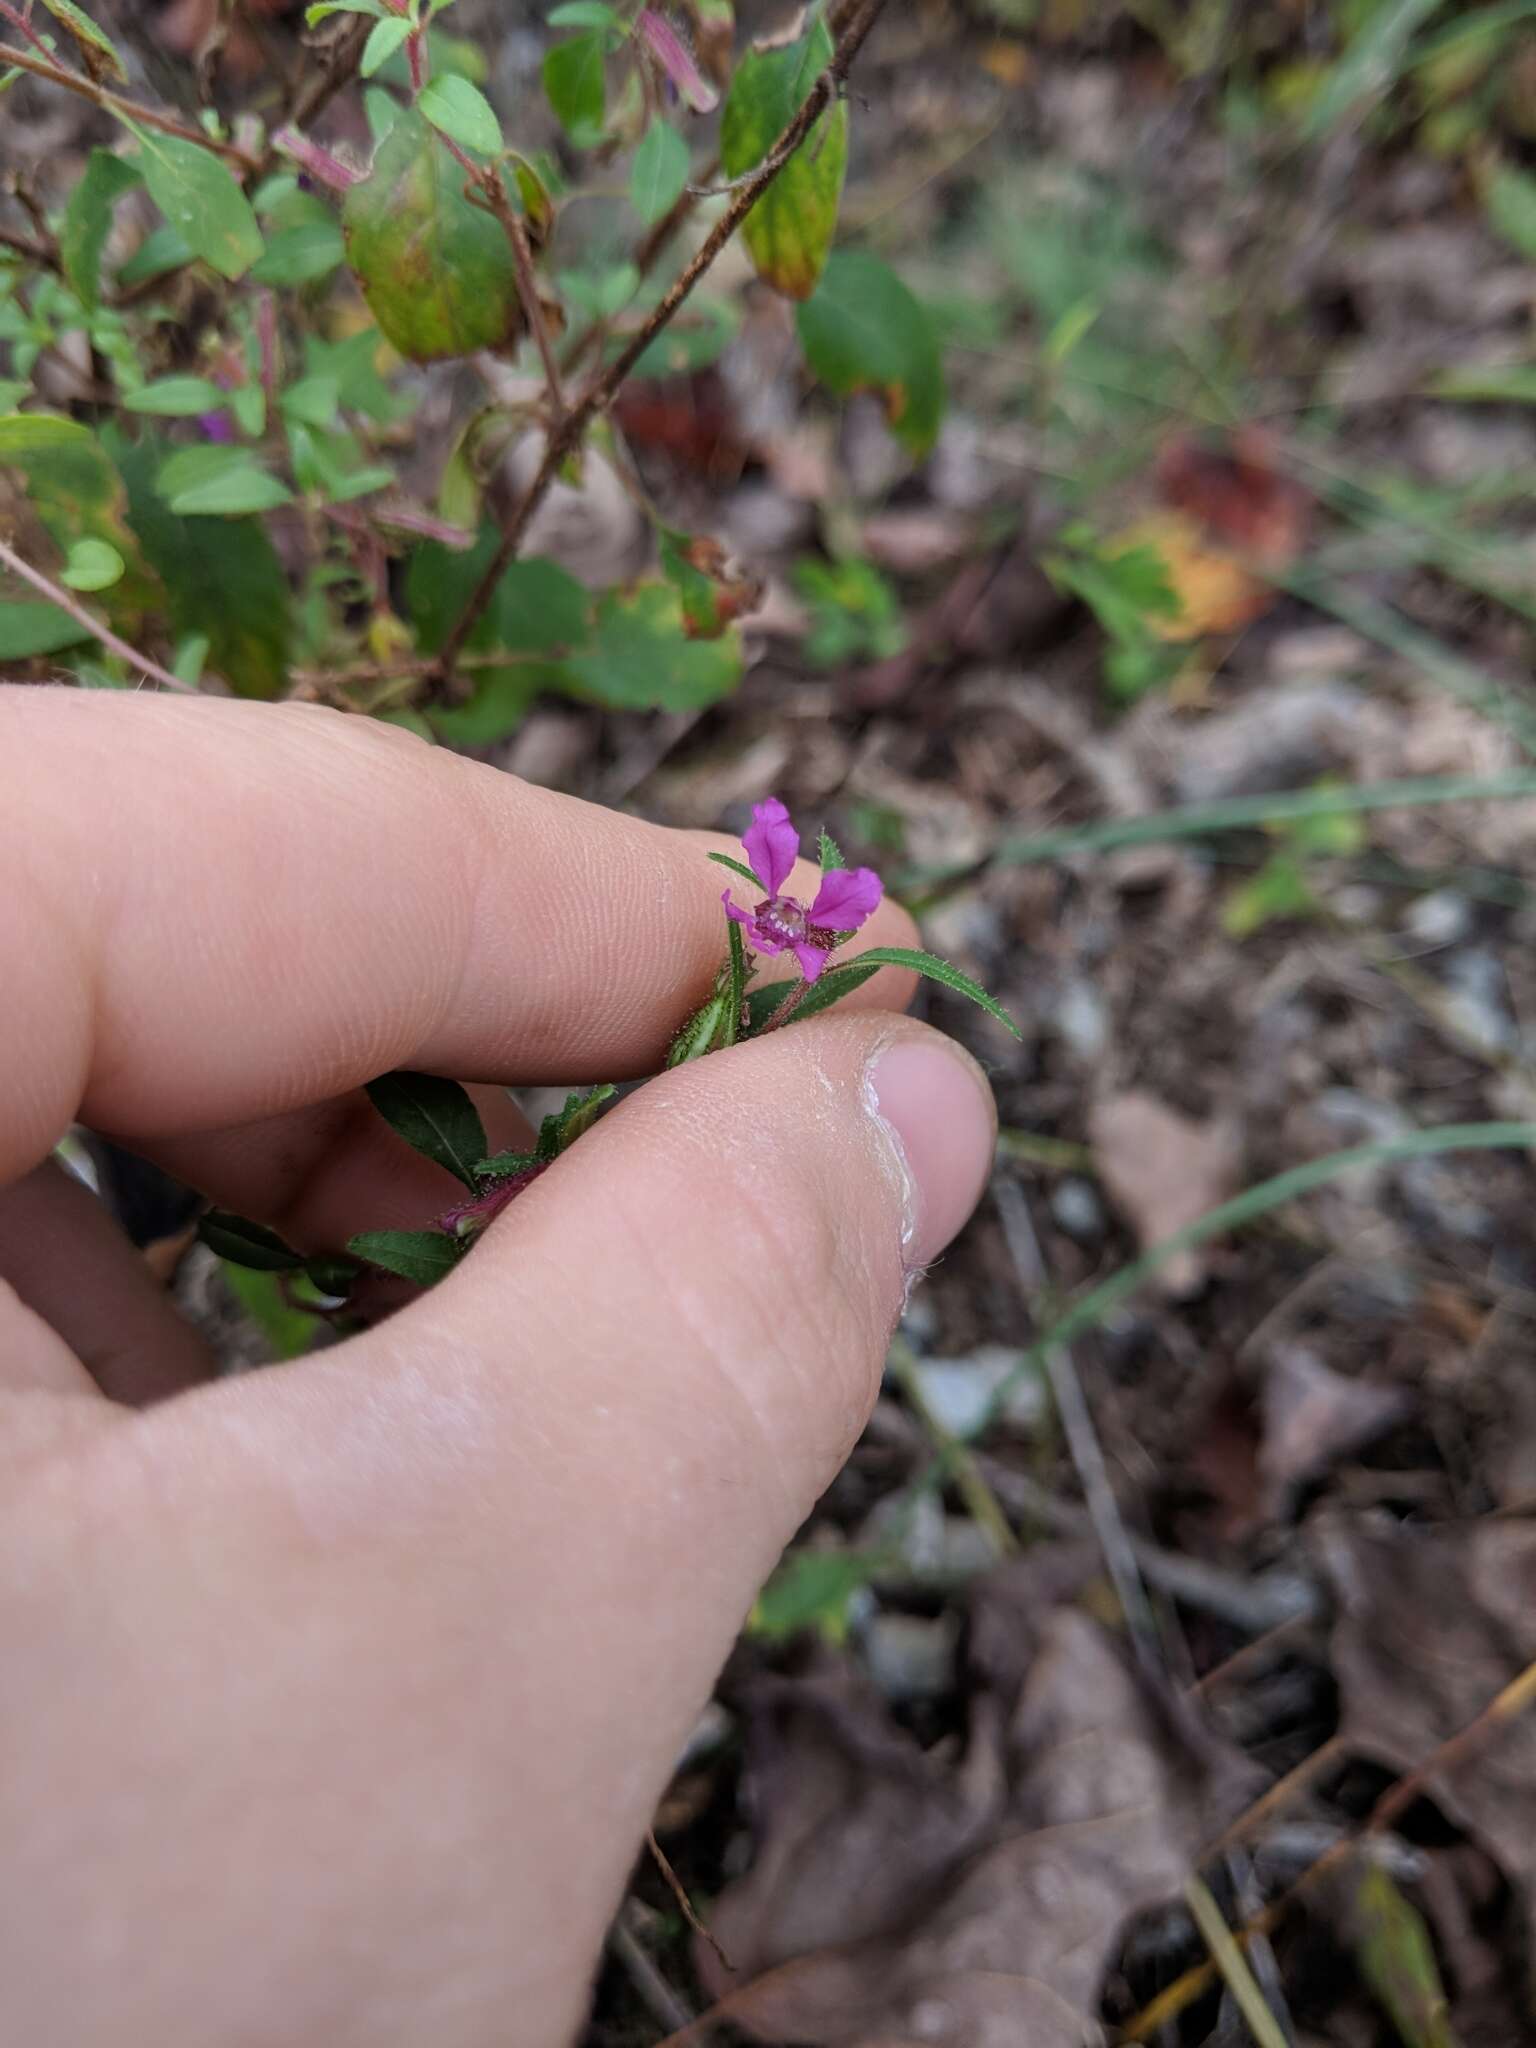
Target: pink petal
[731, 910]
[670, 52]
[812, 959]
[772, 844]
[847, 896]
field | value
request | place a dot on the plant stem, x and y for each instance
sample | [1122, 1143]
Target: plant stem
[488, 182]
[68, 603]
[600, 394]
[125, 109]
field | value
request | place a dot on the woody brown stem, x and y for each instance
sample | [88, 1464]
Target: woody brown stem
[600, 394]
[115, 103]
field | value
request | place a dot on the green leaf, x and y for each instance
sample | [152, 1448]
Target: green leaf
[1510, 202]
[437, 272]
[288, 1330]
[223, 579]
[435, 1117]
[829, 853]
[29, 627]
[1279, 889]
[659, 173]
[88, 222]
[177, 397]
[215, 481]
[1497, 384]
[162, 250]
[864, 331]
[933, 968]
[536, 609]
[642, 659]
[461, 110]
[698, 337]
[248, 1244]
[92, 565]
[739, 868]
[789, 231]
[421, 1256]
[300, 254]
[812, 1589]
[313, 16]
[584, 14]
[1397, 1959]
[99, 54]
[384, 38]
[312, 401]
[197, 193]
[74, 486]
[576, 87]
[701, 1033]
[559, 1132]
[833, 984]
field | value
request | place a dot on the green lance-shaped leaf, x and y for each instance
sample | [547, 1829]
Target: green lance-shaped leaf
[422, 1256]
[829, 854]
[177, 397]
[198, 194]
[739, 867]
[436, 271]
[435, 1117]
[88, 222]
[244, 1243]
[789, 231]
[864, 331]
[98, 53]
[839, 981]
[559, 1132]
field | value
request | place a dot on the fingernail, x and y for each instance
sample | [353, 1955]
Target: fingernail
[937, 1109]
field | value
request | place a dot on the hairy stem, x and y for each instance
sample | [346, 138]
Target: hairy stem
[125, 109]
[601, 392]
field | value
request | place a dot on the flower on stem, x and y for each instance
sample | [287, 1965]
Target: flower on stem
[672, 54]
[846, 898]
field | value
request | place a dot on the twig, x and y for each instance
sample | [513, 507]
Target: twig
[1519, 1694]
[125, 109]
[71, 605]
[343, 57]
[564, 442]
[679, 1892]
[24, 27]
[488, 182]
[1082, 1437]
[32, 252]
[657, 1995]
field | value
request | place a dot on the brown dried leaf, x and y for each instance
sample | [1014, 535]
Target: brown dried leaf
[1163, 1171]
[897, 1898]
[1314, 1416]
[1433, 1624]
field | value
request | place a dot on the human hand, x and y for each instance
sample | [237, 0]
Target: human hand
[335, 1699]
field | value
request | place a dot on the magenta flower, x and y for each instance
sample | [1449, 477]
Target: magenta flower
[780, 923]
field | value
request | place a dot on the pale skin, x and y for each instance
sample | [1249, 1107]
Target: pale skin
[335, 1699]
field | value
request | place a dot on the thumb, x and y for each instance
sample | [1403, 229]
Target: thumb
[681, 1331]
[461, 1585]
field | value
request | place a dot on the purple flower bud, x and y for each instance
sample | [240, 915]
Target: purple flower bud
[316, 162]
[215, 426]
[672, 54]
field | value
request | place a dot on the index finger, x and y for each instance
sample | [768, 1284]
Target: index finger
[215, 911]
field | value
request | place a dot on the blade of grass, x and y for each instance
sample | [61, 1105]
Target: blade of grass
[1260, 1200]
[1239, 813]
[1233, 1965]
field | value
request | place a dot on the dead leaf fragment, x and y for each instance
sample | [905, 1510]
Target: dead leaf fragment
[1313, 1417]
[1433, 1624]
[899, 1898]
[1163, 1171]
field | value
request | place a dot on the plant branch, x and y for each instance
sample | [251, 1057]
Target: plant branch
[125, 109]
[68, 603]
[600, 394]
[33, 252]
[488, 182]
